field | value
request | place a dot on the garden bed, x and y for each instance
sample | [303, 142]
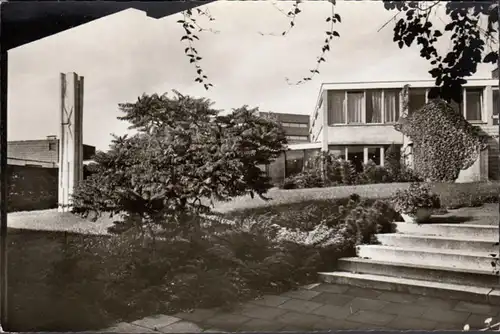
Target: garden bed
[60, 281]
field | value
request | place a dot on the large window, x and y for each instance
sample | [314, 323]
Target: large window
[391, 106]
[374, 155]
[473, 104]
[294, 162]
[336, 113]
[338, 151]
[355, 107]
[374, 106]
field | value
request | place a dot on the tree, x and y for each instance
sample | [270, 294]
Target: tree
[183, 154]
[471, 42]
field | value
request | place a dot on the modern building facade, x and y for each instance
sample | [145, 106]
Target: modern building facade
[296, 126]
[355, 121]
[40, 153]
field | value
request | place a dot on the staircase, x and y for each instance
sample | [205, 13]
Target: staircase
[446, 260]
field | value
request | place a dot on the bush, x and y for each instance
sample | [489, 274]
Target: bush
[416, 197]
[444, 142]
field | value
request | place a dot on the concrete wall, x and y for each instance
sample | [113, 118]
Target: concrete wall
[364, 134]
[477, 172]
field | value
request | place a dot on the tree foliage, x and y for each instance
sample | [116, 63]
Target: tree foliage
[183, 155]
[470, 42]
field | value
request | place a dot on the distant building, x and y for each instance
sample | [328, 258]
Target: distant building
[40, 153]
[296, 126]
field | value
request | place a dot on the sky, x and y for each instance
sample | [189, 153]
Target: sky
[124, 55]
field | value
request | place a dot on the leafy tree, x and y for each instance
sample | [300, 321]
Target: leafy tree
[471, 43]
[183, 155]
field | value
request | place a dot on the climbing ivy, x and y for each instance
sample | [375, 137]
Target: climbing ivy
[444, 142]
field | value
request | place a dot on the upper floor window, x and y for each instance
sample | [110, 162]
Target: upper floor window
[473, 104]
[294, 125]
[297, 138]
[363, 106]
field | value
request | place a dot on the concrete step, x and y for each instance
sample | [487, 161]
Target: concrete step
[419, 272]
[470, 231]
[418, 287]
[427, 256]
[439, 242]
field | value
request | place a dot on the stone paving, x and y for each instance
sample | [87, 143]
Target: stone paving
[325, 307]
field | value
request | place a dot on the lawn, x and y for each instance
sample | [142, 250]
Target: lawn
[56, 283]
[452, 195]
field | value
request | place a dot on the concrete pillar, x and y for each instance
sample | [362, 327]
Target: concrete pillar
[70, 139]
[382, 157]
[407, 148]
[365, 155]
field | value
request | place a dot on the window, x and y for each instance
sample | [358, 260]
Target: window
[355, 154]
[417, 99]
[294, 125]
[374, 154]
[52, 146]
[294, 162]
[336, 113]
[297, 138]
[338, 151]
[495, 106]
[374, 106]
[355, 107]
[391, 106]
[473, 104]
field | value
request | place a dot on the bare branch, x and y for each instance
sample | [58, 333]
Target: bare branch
[332, 19]
[292, 15]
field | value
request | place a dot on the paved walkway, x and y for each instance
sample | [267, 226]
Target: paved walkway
[325, 307]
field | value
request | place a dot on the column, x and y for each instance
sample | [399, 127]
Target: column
[382, 156]
[365, 155]
[70, 139]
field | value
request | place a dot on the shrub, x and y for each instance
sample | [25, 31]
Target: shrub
[417, 196]
[373, 173]
[183, 152]
[444, 142]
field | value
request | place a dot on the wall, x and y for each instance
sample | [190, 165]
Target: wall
[364, 134]
[43, 152]
[31, 188]
[477, 172]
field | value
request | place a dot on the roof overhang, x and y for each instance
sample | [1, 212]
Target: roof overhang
[303, 146]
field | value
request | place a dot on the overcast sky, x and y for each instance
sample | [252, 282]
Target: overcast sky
[124, 55]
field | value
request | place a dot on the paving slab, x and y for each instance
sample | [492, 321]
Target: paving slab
[333, 307]
[181, 327]
[333, 299]
[301, 294]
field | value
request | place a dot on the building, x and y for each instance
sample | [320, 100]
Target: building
[40, 153]
[356, 121]
[296, 127]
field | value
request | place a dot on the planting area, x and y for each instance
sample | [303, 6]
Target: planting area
[62, 281]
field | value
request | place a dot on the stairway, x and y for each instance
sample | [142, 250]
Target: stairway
[450, 261]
